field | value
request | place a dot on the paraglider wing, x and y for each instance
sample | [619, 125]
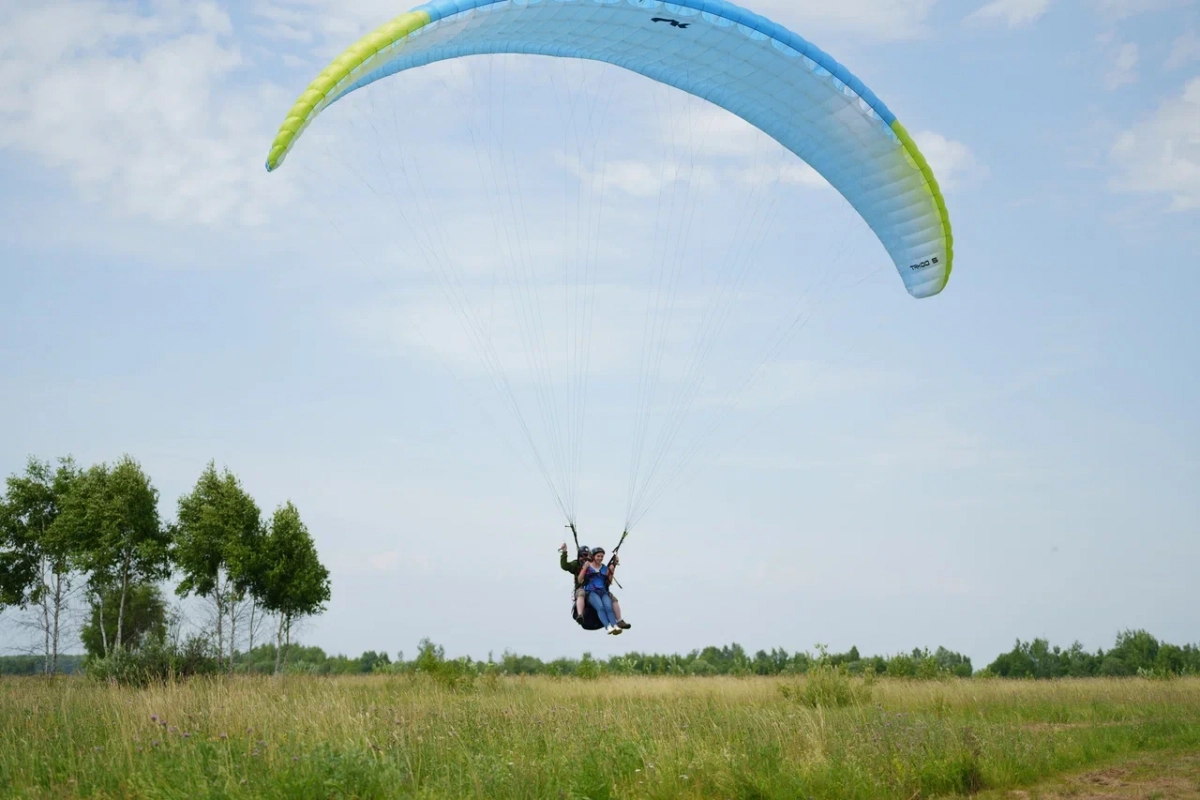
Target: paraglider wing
[742, 62]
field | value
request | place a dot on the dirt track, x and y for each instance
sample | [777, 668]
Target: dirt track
[1167, 776]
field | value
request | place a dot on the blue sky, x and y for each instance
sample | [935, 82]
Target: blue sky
[1014, 458]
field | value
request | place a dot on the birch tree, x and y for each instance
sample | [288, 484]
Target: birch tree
[290, 578]
[35, 557]
[112, 519]
[217, 536]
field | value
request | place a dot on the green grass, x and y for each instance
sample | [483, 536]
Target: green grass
[410, 736]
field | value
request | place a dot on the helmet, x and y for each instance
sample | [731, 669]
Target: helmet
[585, 551]
[599, 550]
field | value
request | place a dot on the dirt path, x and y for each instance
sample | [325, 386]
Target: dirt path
[1160, 776]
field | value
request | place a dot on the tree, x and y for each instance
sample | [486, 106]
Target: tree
[35, 558]
[145, 619]
[111, 518]
[18, 562]
[217, 539]
[1137, 650]
[289, 577]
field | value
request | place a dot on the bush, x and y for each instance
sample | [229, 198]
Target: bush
[828, 686]
[457, 675]
[156, 662]
[589, 668]
[901, 666]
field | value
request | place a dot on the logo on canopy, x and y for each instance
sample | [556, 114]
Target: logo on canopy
[674, 22]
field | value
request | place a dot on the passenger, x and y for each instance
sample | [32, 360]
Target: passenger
[574, 567]
[595, 577]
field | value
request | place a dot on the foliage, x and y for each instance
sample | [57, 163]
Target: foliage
[1135, 652]
[453, 674]
[36, 558]
[588, 668]
[294, 582]
[145, 619]
[27, 511]
[829, 686]
[291, 581]
[218, 547]
[31, 543]
[157, 661]
[217, 529]
[111, 518]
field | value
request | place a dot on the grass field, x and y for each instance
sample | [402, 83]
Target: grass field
[410, 736]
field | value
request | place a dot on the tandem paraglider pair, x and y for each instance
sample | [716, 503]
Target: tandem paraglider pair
[778, 82]
[594, 606]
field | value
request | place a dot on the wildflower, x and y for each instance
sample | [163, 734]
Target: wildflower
[223, 737]
[155, 743]
[154, 717]
[295, 759]
[187, 735]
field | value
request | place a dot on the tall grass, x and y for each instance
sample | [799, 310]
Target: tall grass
[413, 736]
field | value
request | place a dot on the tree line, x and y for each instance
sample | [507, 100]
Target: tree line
[1135, 653]
[67, 533]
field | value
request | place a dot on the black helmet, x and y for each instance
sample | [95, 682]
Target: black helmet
[600, 550]
[584, 551]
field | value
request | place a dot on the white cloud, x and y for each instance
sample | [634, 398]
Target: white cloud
[339, 22]
[138, 110]
[1161, 155]
[342, 20]
[508, 341]
[1124, 68]
[1122, 9]
[1011, 12]
[952, 162]
[1184, 51]
[876, 19]
[642, 179]
[1015, 13]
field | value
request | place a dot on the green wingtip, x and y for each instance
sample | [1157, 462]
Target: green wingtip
[911, 146]
[333, 75]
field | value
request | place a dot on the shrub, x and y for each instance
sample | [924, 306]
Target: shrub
[457, 675]
[156, 662]
[827, 686]
[589, 668]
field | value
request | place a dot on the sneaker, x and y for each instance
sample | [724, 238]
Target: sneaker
[623, 625]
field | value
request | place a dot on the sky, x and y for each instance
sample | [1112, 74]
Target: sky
[1015, 458]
